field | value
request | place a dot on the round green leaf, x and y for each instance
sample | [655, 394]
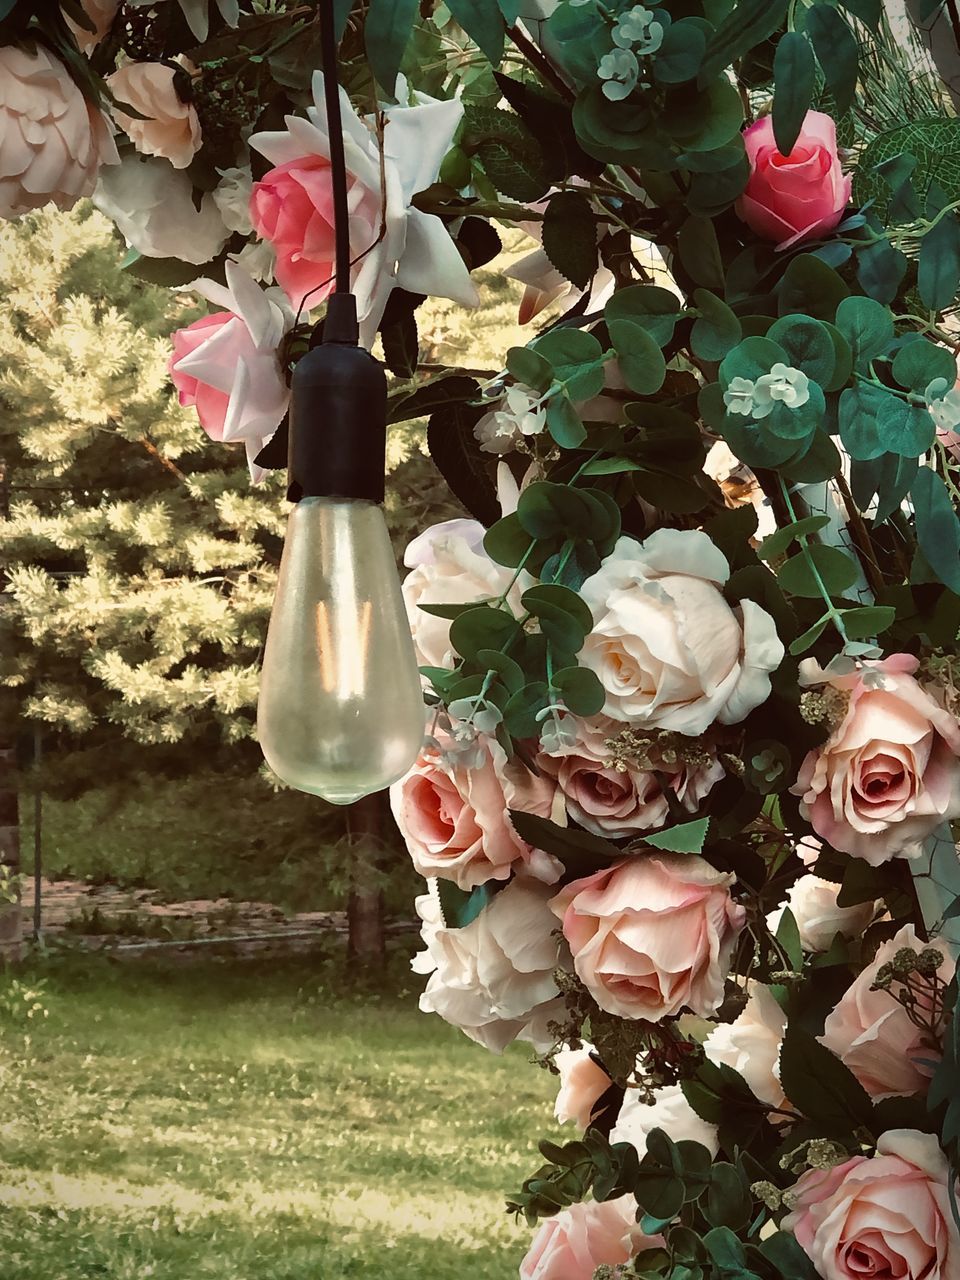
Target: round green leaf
[577, 360]
[918, 363]
[717, 328]
[835, 568]
[808, 345]
[639, 357]
[482, 628]
[647, 305]
[867, 326]
[581, 690]
[752, 358]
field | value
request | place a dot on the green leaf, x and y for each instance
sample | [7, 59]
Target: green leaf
[752, 358]
[530, 368]
[580, 852]
[577, 360]
[704, 120]
[788, 1257]
[819, 1085]
[880, 270]
[905, 429]
[647, 305]
[483, 23]
[699, 252]
[386, 32]
[838, 53]
[570, 237]
[460, 907]
[869, 622]
[510, 672]
[788, 935]
[725, 1250]
[859, 420]
[522, 708]
[920, 362]
[938, 531]
[551, 597]
[728, 1202]
[717, 328]
[810, 287]
[659, 1194]
[582, 692]
[750, 23]
[835, 568]
[868, 11]
[867, 326]
[681, 52]
[482, 628]
[804, 641]
[775, 544]
[795, 76]
[564, 423]
[510, 154]
[547, 510]
[688, 837]
[938, 271]
[808, 345]
[640, 359]
[507, 542]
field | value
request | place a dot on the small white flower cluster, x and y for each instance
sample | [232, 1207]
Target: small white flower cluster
[521, 413]
[636, 34]
[944, 404]
[782, 385]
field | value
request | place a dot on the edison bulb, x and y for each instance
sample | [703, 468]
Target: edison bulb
[340, 712]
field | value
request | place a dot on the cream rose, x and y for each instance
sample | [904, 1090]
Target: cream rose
[669, 1111]
[751, 1045]
[616, 797]
[886, 1216]
[889, 774]
[448, 565]
[152, 205]
[571, 1245]
[668, 649]
[171, 128]
[583, 1082]
[813, 904]
[652, 935]
[52, 141]
[455, 819]
[874, 1035]
[494, 979]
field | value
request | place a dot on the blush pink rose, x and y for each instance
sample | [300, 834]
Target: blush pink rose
[209, 402]
[101, 13]
[652, 935]
[52, 141]
[619, 799]
[799, 196]
[573, 1244]
[813, 904]
[874, 1035]
[583, 1082]
[455, 819]
[171, 128]
[889, 774]
[885, 1217]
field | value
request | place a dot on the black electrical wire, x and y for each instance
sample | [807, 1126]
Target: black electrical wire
[338, 166]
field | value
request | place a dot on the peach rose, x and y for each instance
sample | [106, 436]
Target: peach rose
[172, 127]
[874, 1035]
[52, 141]
[796, 197]
[886, 1216]
[448, 565]
[813, 903]
[101, 13]
[669, 1111]
[668, 649]
[751, 1045]
[889, 774]
[455, 819]
[583, 1082]
[581, 1238]
[619, 798]
[652, 935]
[494, 979]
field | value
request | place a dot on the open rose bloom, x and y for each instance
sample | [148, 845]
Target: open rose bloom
[573, 1244]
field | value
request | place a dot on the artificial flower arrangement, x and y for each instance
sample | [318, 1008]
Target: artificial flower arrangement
[691, 670]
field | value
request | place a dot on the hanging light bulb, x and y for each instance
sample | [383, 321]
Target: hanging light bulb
[340, 712]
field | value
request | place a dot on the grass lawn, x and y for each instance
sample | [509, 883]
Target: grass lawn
[244, 1122]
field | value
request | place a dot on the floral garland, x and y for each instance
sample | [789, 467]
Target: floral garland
[691, 670]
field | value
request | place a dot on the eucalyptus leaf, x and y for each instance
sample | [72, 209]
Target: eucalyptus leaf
[938, 530]
[795, 76]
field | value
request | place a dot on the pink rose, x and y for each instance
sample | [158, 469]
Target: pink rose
[751, 1045]
[583, 1082]
[455, 819]
[874, 1035]
[652, 935]
[795, 197]
[813, 904]
[581, 1238]
[52, 141]
[889, 774]
[619, 797]
[171, 128]
[101, 13]
[226, 364]
[886, 1216]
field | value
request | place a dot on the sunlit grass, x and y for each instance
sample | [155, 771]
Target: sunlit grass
[248, 1124]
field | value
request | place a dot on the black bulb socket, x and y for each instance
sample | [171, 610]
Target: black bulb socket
[338, 415]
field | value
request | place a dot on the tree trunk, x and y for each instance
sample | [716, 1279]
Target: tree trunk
[366, 944]
[11, 918]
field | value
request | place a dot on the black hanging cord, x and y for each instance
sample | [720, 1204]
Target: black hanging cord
[338, 167]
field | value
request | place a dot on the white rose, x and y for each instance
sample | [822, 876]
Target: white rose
[668, 649]
[494, 979]
[232, 198]
[751, 1045]
[669, 1111]
[449, 566]
[814, 905]
[152, 205]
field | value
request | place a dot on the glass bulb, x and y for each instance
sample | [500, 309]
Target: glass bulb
[340, 712]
